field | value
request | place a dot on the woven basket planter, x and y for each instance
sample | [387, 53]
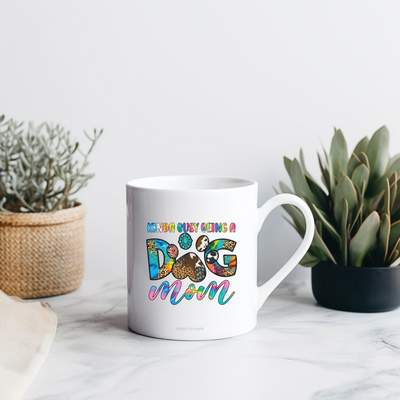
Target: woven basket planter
[42, 254]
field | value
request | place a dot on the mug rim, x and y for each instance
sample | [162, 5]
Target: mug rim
[149, 183]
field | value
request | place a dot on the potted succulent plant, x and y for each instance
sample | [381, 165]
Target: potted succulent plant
[356, 244]
[41, 223]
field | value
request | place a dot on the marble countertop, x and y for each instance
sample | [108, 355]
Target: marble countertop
[299, 350]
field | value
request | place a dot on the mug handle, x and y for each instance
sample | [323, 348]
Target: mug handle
[266, 289]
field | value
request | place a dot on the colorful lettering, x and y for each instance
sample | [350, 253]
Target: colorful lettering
[153, 247]
[211, 256]
[212, 289]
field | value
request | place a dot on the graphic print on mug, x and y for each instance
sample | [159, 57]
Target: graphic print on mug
[190, 265]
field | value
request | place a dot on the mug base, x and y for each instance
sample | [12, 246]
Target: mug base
[191, 337]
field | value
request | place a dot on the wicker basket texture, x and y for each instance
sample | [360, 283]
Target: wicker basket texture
[42, 254]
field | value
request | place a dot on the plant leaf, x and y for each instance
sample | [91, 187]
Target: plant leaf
[360, 175]
[320, 244]
[393, 257]
[285, 188]
[298, 218]
[288, 164]
[395, 216]
[395, 252]
[384, 231]
[393, 190]
[392, 160]
[332, 182]
[378, 185]
[394, 235]
[319, 195]
[363, 242]
[318, 226]
[329, 227]
[309, 260]
[396, 203]
[358, 215]
[385, 209]
[364, 160]
[299, 223]
[354, 161]
[378, 153]
[343, 232]
[292, 224]
[345, 190]
[303, 163]
[393, 179]
[300, 184]
[325, 175]
[338, 154]
[371, 203]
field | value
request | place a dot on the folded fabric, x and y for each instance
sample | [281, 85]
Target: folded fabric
[27, 330]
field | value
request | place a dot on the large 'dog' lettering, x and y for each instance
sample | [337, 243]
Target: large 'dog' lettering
[190, 265]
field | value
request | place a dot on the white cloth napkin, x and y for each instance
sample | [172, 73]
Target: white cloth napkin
[27, 330]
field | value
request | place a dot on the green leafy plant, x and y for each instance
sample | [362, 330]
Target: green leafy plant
[357, 215]
[41, 168]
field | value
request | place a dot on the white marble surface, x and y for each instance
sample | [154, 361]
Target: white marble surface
[299, 350]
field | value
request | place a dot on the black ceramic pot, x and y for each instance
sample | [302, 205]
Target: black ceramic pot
[356, 289]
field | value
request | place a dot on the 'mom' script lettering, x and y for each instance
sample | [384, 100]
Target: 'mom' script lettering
[211, 289]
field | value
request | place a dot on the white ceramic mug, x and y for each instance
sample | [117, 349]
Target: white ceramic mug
[192, 255]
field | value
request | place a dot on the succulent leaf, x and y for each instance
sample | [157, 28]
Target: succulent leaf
[332, 181]
[361, 193]
[393, 179]
[361, 146]
[395, 216]
[343, 232]
[386, 200]
[288, 165]
[318, 227]
[298, 218]
[285, 188]
[378, 153]
[364, 240]
[319, 244]
[396, 202]
[371, 203]
[357, 221]
[393, 257]
[360, 175]
[394, 235]
[384, 231]
[364, 159]
[354, 161]
[328, 225]
[326, 180]
[309, 260]
[393, 160]
[319, 195]
[293, 225]
[395, 252]
[303, 163]
[393, 190]
[299, 183]
[338, 154]
[345, 190]
[378, 185]
[318, 192]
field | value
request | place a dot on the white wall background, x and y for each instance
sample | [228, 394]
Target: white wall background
[210, 87]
